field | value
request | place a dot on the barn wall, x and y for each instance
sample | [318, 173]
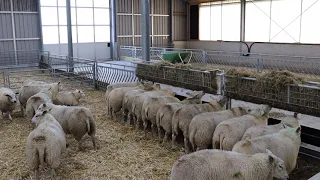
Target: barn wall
[129, 21]
[19, 28]
[268, 48]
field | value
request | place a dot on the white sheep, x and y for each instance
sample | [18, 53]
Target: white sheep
[183, 116]
[226, 165]
[46, 143]
[26, 91]
[150, 107]
[202, 126]
[138, 103]
[44, 96]
[71, 98]
[115, 99]
[285, 144]
[229, 132]
[165, 113]
[8, 101]
[127, 105]
[74, 120]
[257, 131]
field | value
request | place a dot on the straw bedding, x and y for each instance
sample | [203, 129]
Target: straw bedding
[123, 153]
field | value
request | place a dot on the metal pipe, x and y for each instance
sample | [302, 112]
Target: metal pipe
[113, 30]
[13, 33]
[242, 23]
[170, 2]
[69, 28]
[145, 27]
[40, 26]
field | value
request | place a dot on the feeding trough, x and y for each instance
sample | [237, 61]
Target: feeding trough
[174, 57]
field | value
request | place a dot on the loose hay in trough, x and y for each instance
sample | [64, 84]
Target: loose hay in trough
[123, 152]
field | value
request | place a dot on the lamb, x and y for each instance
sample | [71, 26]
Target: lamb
[150, 107]
[8, 101]
[285, 144]
[226, 165]
[165, 113]
[46, 143]
[71, 98]
[229, 132]
[116, 96]
[44, 96]
[74, 120]
[202, 126]
[25, 92]
[138, 102]
[183, 116]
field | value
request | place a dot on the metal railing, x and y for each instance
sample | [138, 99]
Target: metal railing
[307, 67]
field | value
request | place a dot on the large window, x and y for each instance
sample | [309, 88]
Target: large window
[89, 18]
[220, 21]
[283, 21]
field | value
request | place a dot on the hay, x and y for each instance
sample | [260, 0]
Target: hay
[123, 153]
[278, 80]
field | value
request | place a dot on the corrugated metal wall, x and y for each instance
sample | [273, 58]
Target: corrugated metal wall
[19, 22]
[129, 22]
[179, 20]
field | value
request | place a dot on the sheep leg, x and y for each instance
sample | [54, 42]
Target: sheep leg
[2, 115]
[36, 174]
[93, 142]
[21, 110]
[145, 126]
[9, 116]
[174, 141]
[153, 129]
[80, 148]
[160, 134]
[186, 145]
[53, 174]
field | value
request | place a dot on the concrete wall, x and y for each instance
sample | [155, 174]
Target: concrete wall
[266, 48]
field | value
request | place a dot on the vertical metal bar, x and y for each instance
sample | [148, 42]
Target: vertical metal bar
[187, 21]
[152, 21]
[242, 23]
[69, 27]
[270, 21]
[58, 26]
[145, 27]
[171, 25]
[204, 56]
[13, 33]
[94, 32]
[132, 24]
[300, 21]
[40, 26]
[288, 94]
[113, 25]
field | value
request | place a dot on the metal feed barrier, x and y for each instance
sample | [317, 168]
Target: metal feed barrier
[299, 98]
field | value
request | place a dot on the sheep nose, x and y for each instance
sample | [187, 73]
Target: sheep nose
[14, 101]
[287, 178]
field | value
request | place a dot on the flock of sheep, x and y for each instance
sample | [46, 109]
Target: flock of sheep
[244, 145]
[53, 114]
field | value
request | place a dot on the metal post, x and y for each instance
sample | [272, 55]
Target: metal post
[13, 33]
[187, 22]
[40, 26]
[145, 26]
[170, 3]
[94, 70]
[204, 57]
[70, 44]
[242, 23]
[113, 29]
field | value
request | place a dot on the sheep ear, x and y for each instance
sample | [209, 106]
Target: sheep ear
[223, 101]
[59, 83]
[79, 91]
[298, 130]
[247, 143]
[7, 95]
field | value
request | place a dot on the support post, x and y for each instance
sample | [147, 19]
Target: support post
[242, 23]
[170, 3]
[113, 26]
[145, 26]
[13, 33]
[40, 26]
[70, 44]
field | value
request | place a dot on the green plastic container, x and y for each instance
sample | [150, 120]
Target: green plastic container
[173, 57]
